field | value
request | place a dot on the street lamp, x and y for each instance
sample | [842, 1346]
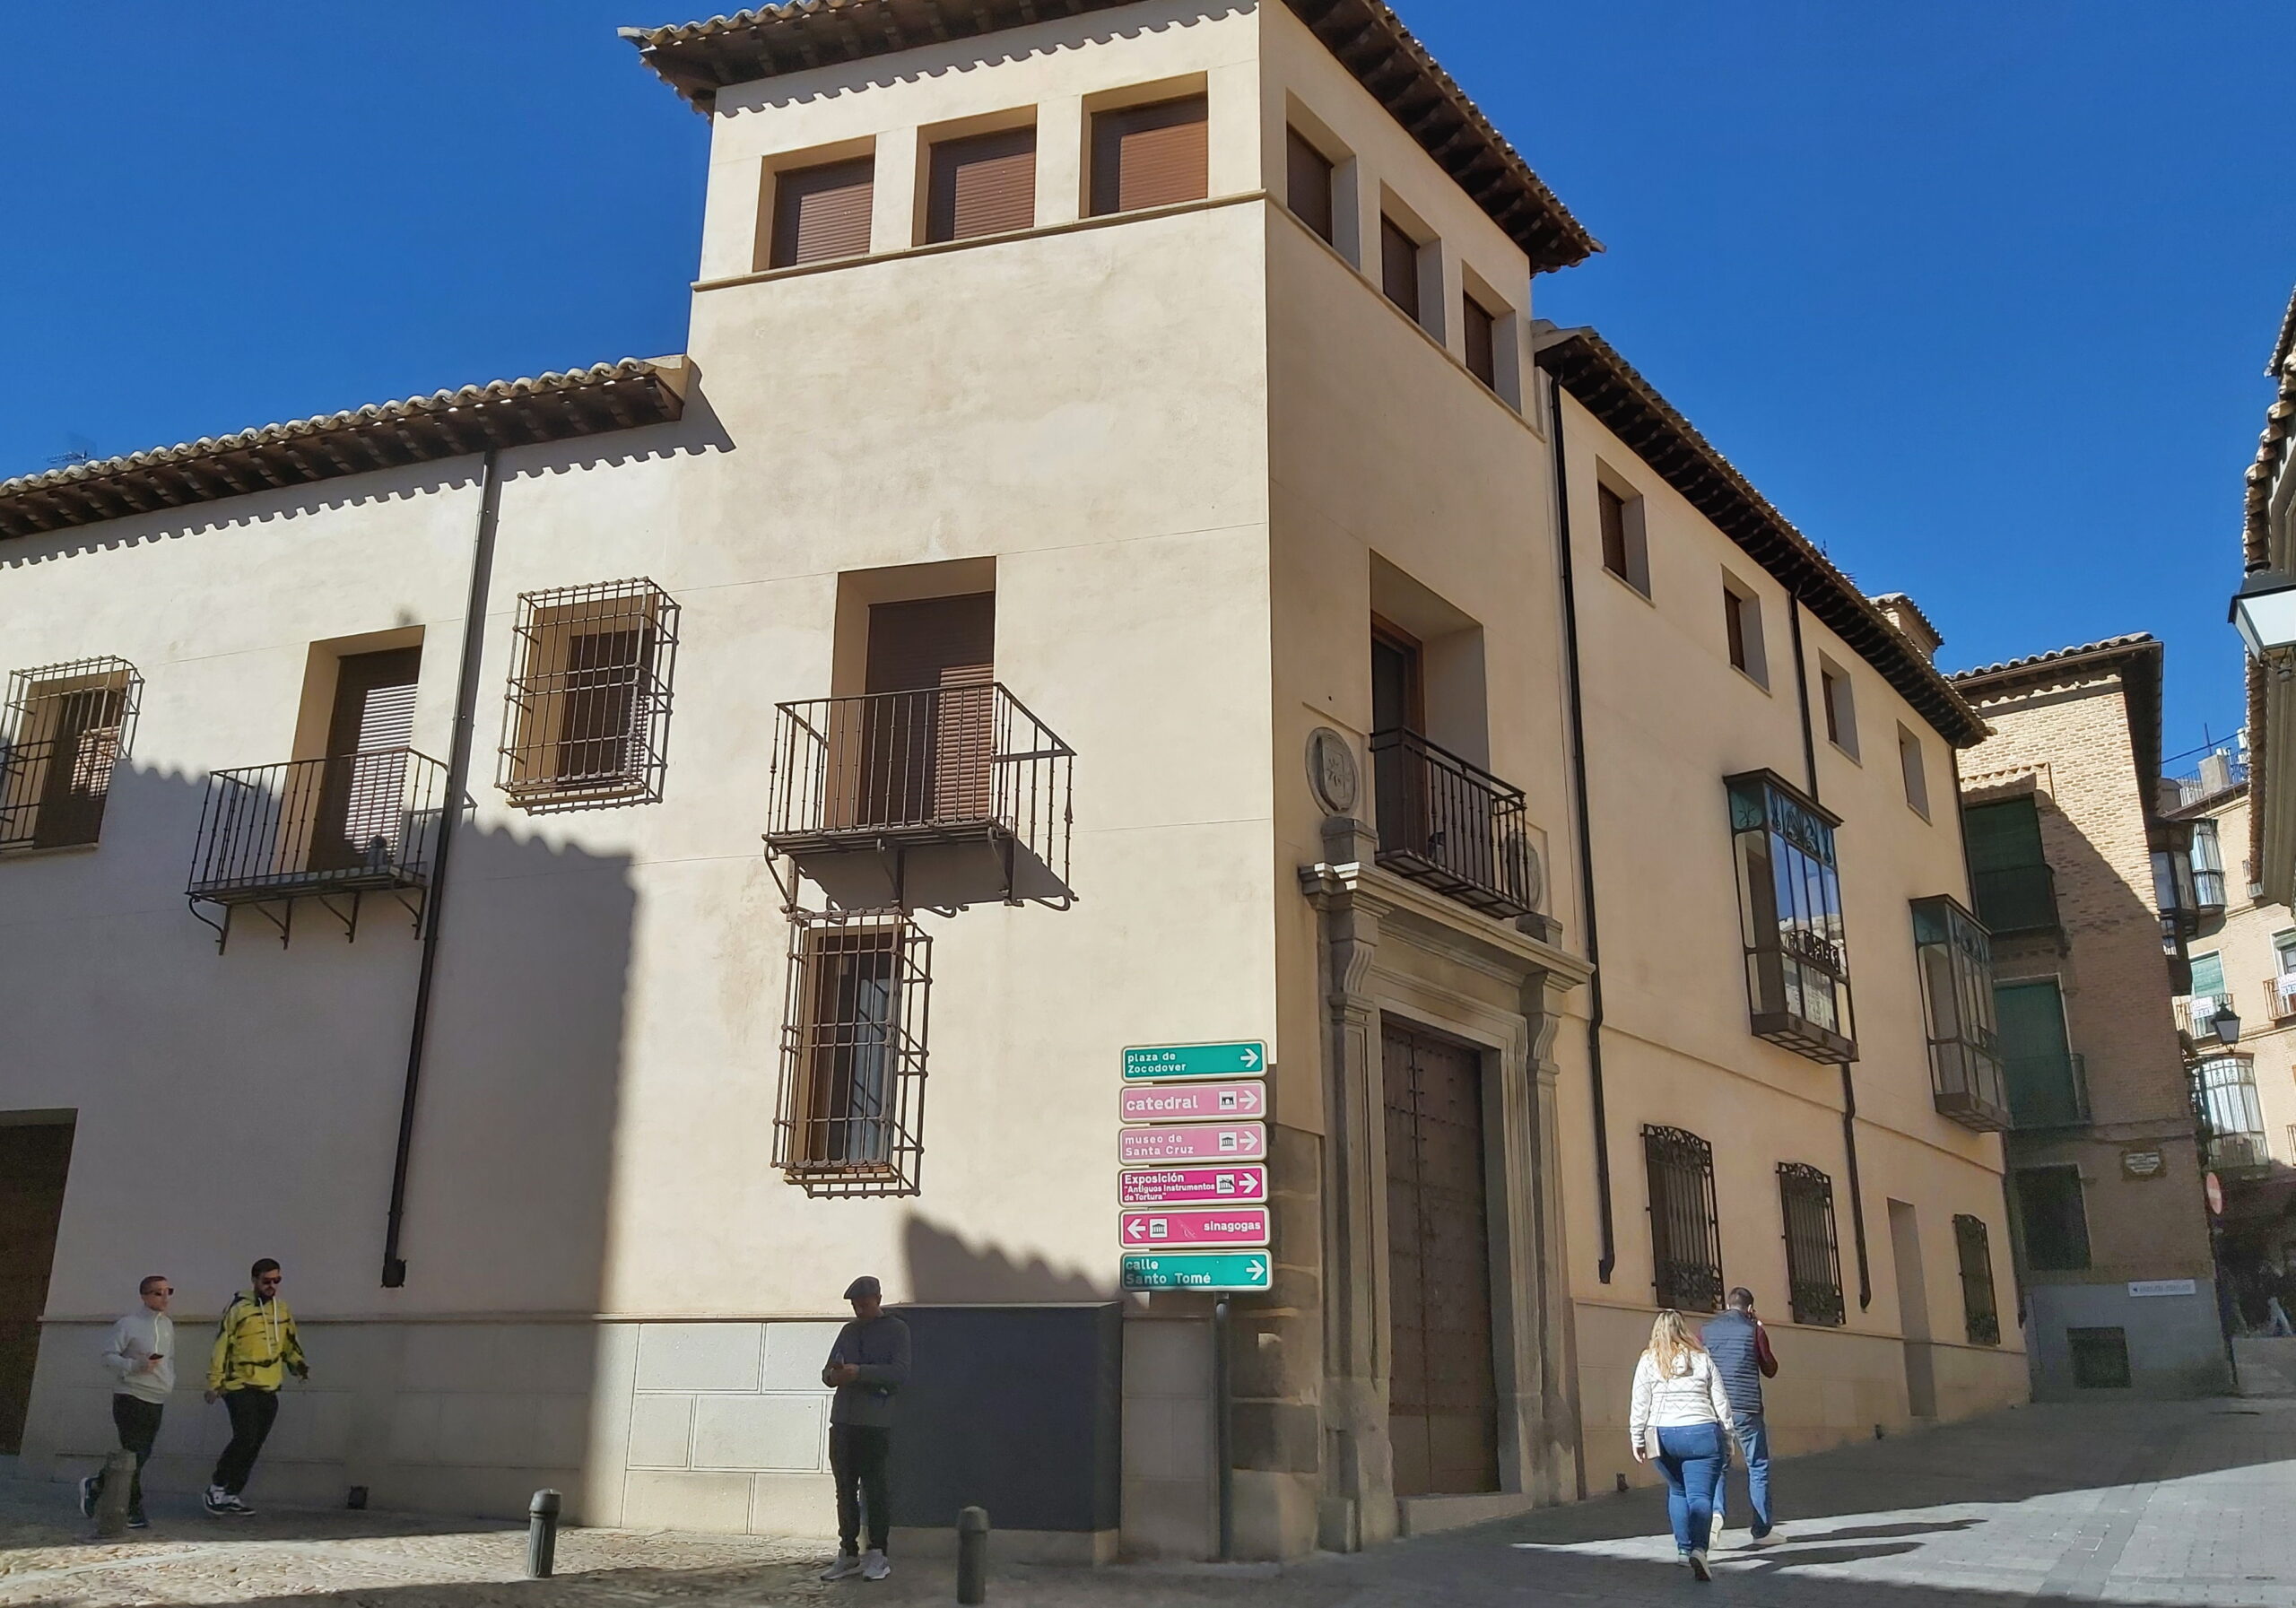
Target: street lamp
[2265, 612]
[2226, 1023]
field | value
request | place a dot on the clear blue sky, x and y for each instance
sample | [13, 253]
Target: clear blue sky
[1979, 293]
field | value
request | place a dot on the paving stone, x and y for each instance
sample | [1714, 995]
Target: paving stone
[2159, 1504]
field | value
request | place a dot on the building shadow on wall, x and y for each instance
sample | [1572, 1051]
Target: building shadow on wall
[257, 1093]
[946, 1269]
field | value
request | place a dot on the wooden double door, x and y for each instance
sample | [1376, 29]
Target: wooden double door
[1442, 1392]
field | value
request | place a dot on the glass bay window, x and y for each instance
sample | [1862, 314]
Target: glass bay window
[1790, 922]
[1955, 956]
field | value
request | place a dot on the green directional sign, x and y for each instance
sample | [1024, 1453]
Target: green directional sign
[1245, 1058]
[1207, 1270]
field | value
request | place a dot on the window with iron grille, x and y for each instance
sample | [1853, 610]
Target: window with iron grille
[1790, 920]
[1685, 1229]
[67, 726]
[1975, 1248]
[852, 1099]
[1813, 1255]
[586, 720]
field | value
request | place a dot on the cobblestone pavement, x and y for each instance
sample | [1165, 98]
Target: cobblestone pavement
[2137, 1503]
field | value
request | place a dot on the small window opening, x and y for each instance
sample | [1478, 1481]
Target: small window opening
[1742, 625]
[1399, 267]
[821, 213]
[1916, 773]
[1840, 707]
[67, 726]
[983, 184]
[851, 1110]
[1626, 544]
[1311, 187]
[1146, 156]
[586, 722]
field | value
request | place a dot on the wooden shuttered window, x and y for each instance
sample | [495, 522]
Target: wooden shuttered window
[1150, 156]
[821, 213]
[1399, 266]
[984, 184]
[1307, 186]
[1482, 331]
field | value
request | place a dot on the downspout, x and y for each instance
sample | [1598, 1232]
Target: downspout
[1848, 1078]
[434, 903]
[1609, 1263]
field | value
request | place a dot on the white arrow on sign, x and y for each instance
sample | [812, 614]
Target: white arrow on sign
[1254, 1267]
[1248, 1184]
[1250, 1057]
[1247, 1098]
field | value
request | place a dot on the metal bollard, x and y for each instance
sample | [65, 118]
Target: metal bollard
[119, 1484]
[973, 1556]
[541, 1534]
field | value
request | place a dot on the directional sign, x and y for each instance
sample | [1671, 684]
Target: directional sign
[1147, 1062]
[1204, 1270]
[1192, 1141]
[1228, 1227]
[1192, 1185]
[1193, 1102]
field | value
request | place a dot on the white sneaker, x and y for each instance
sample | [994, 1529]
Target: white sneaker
[874, 1565]
[217, 1499]
[1698, 1564]
[1768, 1538]
[1714, 1531]
[847, 1565]
[87, 1496]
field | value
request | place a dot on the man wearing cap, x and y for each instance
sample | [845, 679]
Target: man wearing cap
[868, 1365]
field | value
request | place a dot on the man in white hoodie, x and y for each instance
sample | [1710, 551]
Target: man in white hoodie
[142, 1356]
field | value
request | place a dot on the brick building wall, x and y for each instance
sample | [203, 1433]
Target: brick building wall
[2073, 741]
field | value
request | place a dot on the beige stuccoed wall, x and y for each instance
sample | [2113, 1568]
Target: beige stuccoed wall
[595, 1131]
[1667, 718]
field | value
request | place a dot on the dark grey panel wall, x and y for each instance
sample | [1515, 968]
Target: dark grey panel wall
[1015, 1409]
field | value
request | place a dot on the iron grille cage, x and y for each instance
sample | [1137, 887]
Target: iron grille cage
[1813, 1255]
[1974, 1245]
[851, 1110]
[1685, 1229]
[1451, 824]
[586, 722]
[1790, 915]
[67, 726]
[962, 761]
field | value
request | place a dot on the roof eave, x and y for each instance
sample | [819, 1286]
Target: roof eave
[1611, 388]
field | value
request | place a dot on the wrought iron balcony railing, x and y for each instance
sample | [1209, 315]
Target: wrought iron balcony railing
[1451, 824]
[2236, 1152]
[52, 791]
[2016, 899]
[2279, 999]
[345, 824]
[942, 798]
[2047, 1091]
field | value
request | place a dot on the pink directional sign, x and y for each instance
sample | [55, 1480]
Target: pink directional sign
[1192, 1185]
[1193, 1102]
[1232, 1228]
[1192, 1141]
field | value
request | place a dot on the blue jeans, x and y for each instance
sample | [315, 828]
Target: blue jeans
[1753, 1440]
[1691, 1458]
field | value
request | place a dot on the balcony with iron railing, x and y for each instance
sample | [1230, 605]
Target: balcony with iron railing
[935, 799]
[2047, 1091]
[2235, 1153]
[333, 829]
[2016, 900]
[1446, 823]
[2280, 999]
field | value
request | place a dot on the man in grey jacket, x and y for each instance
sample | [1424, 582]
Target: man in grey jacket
[868, 1365]
[141, 1353]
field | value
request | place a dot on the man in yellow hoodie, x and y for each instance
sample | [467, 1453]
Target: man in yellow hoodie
[255, 1348]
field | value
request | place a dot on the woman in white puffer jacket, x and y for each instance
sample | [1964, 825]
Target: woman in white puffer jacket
[1680, 1420]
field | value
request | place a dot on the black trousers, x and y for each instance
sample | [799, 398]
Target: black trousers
[138, 1423]
[251, 1411]
[858, 1453]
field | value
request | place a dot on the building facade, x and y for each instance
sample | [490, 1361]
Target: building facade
[2086, 888]
[2239, 1027]
[2268, 565]
[1119, 537]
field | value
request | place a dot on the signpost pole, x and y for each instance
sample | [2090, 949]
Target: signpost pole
[1221, 1431]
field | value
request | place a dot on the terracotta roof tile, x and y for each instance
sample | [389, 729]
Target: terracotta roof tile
[505, 412]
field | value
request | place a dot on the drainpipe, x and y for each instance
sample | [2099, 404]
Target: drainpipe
[1848, 1078]
[1609, 1263]
[434, 902]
